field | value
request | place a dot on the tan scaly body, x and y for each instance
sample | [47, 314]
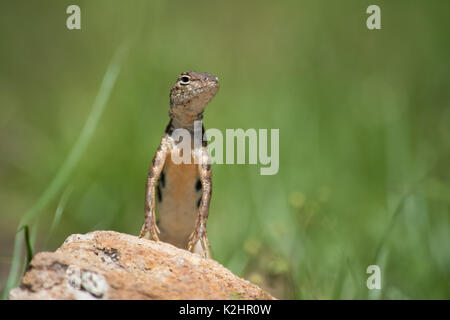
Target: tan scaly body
[181, 193]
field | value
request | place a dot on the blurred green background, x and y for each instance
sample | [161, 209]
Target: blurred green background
[364, 119]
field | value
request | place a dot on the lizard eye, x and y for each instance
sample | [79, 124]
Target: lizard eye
[185, 80]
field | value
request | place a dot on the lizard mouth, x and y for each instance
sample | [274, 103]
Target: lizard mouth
[210, 88]
[213, 85]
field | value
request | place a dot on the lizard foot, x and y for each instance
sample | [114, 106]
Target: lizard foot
[152, 229]
[204, 242]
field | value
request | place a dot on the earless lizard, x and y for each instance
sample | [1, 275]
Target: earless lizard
[182, 191]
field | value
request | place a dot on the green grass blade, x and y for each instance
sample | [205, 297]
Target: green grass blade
[68, 166]
[81, 144]
[16, 263]
[59, 210]
[28, 244]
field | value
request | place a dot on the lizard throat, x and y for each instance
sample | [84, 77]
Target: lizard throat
[184, 119]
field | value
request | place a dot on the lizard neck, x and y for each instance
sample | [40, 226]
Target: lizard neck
[193, 128]
[184, 120]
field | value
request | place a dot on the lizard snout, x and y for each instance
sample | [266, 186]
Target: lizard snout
[210, 78]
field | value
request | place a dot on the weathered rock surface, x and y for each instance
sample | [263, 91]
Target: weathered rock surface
[112, 265]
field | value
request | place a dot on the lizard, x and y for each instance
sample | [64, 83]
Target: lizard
[182, 191]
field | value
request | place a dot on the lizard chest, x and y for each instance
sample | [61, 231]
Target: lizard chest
[178, 195]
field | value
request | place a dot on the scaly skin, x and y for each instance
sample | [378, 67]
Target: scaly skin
[183, 190]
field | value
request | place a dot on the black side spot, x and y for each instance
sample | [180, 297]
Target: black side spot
[162, 180]
[198, 185]
[158, 193]
[169, 128]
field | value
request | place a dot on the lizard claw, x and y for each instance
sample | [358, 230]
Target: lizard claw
[153, 230]
[195, 238]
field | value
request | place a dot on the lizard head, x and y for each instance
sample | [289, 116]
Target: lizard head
[190, 94]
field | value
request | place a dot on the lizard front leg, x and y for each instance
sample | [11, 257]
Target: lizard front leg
[153, 176]
[199, 233]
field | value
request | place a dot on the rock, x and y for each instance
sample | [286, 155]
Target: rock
[112, 265]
